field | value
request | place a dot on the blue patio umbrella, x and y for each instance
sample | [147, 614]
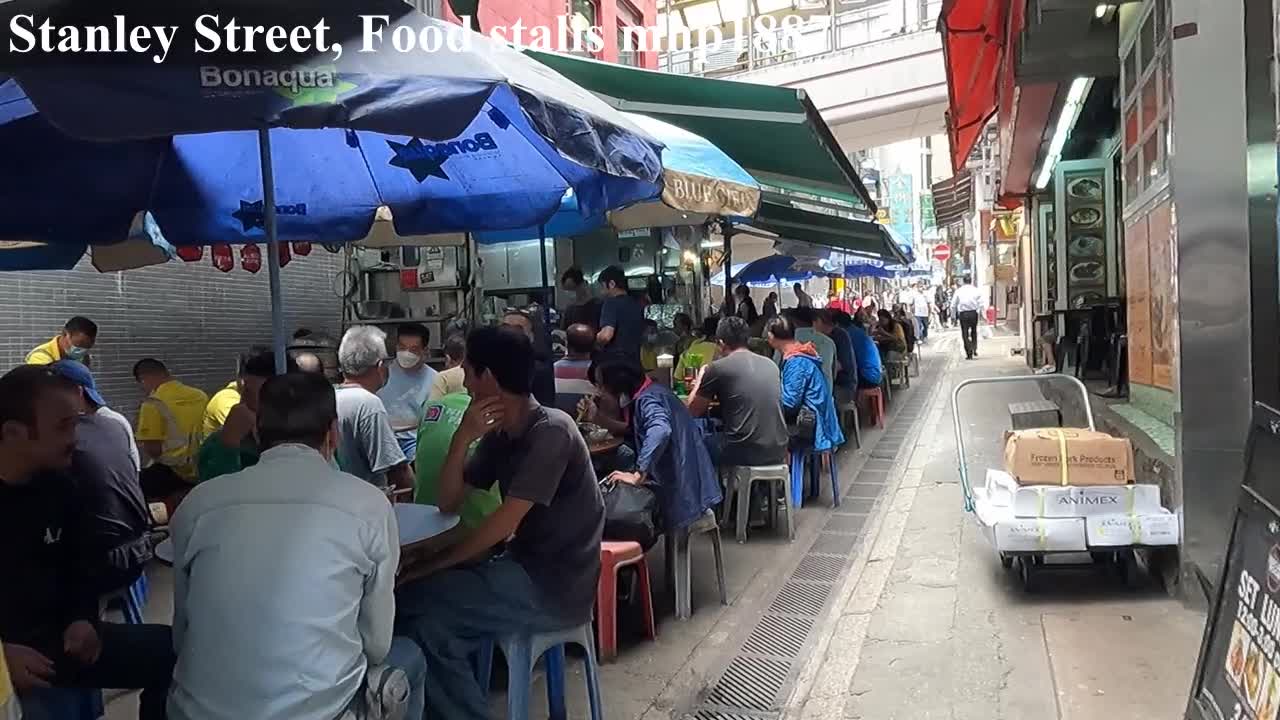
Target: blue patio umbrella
[699, 182]
[407, 141]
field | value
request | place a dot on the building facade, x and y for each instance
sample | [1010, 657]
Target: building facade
[611, 18]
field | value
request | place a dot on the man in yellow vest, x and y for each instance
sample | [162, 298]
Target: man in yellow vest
[170, 423]
[74, 343]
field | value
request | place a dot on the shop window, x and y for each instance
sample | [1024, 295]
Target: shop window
[628, 19]
[1145, 99]
[583, 14]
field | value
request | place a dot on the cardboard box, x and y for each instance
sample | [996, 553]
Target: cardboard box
[1071, 501]
[1119, 530]
[1036, 457]
[1012, 534]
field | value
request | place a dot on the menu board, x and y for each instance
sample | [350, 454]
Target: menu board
[1138, 297]
[1164, 301]
[1238, 673]
[1085, 244]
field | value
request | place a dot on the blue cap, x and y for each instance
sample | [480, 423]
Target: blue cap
[77, 373]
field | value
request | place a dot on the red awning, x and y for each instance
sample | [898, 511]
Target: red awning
[973, 38]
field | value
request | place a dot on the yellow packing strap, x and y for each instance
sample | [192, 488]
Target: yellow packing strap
[1040, 499]
[1062, 454]
[1040, 531]
[1135, 525]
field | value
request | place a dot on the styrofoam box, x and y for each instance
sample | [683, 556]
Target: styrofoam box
[1118, 530]
[1070, 500]
[1014, 534]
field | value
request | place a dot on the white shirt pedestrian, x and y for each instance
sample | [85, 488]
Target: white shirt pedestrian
[920, 304]
[969, 299]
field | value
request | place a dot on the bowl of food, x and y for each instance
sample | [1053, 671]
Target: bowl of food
[1087, 271]
[1085, 189]
[1086, 217]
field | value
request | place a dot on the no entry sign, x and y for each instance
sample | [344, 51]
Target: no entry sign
[941, 252]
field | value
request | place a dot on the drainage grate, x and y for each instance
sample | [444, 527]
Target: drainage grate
[878, 477]
[819, 568]
[833, 544]
[778, 635]
[845, 523]
[859, 500]
[800, 599]
[750, 683]
[884, 452]
[717, 715]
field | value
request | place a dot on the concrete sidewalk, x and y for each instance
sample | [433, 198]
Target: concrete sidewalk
[930, 626]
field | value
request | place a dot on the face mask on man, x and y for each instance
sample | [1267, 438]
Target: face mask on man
[408, 360]
[77, 353]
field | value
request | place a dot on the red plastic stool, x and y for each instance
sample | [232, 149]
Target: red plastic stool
[875, 401]
[613, 557]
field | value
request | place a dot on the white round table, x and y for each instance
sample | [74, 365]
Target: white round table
[417, 523]
[422, 522]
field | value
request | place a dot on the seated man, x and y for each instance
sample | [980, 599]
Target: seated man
[748, 388]
[670, 453]
[220, 404]
[49, 621]
[409, 383]
[234, 446]
[802, 320]
[451, 379]
[367, 446]
[846, 378]
[284, 576]
[115, 524]
[170, 422]
[866, 353]
[803, 388]
[701, 351]
[551, 519]
[572, 381]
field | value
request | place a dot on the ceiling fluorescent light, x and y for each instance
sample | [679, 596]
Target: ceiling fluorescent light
[1101, 11]
[1066, 121]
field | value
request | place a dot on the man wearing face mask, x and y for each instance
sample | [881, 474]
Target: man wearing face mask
[367, 446]
[409, 383]
[74, 343]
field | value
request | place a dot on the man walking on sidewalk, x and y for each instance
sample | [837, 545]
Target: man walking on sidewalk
[968, 305]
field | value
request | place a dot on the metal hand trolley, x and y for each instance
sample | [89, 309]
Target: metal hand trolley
[1030, 564]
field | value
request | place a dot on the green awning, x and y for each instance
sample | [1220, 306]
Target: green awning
[775, 133]
[864, 237]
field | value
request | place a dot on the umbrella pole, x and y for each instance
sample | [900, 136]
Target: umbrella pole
[546, 289]
[273, 249]
[728, 268]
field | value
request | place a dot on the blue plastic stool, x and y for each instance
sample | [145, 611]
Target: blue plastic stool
[522, 651]
[135, 600]
[815, 474]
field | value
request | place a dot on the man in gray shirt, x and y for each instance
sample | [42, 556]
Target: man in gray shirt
[284, 576]
[551, 519]
[749, 390]
[367, 446]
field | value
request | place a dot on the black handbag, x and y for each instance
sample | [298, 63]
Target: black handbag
[630, 513]
[804, 428]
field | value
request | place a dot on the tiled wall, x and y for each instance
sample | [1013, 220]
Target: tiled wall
[189, 315]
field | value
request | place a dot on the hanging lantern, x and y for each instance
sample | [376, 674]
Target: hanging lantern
[222, 258]
[251, 258]
[302, 249]
[285, 257]
[191, 253]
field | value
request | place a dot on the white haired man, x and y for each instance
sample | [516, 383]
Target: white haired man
[367, 446]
